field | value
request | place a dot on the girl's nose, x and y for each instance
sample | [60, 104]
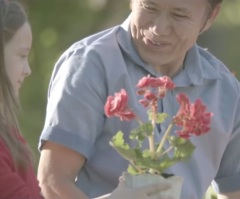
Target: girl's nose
[27, 70]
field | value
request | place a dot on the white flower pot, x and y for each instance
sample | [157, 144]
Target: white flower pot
[148, 179]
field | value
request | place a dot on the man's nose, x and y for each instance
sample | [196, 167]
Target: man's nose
[162, 25]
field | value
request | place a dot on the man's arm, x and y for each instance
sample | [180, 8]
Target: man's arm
[230, 195]
[58, 168]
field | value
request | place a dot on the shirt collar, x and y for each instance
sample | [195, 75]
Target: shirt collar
[200, 65]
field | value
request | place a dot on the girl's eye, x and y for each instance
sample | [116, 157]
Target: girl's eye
[23, 56]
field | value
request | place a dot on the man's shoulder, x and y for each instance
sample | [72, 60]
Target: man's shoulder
[214, 66]
[211, 59]
[104, 37]
[210, 62]
[90, 46]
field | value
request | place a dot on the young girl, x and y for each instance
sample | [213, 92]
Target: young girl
[17, 177]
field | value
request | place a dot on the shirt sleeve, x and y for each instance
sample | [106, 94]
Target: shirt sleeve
[75, 109]
[11, 184]
[228, 176]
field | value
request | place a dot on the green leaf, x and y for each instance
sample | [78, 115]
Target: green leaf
[147, 153]
[141, 132]
[143, 161]
[123, 148]
[148, 164]
[132, 170]
[183, 148]
[160, 117]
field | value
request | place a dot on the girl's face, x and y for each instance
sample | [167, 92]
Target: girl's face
[16, 52]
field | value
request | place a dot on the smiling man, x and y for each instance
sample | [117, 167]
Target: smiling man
[158, 38]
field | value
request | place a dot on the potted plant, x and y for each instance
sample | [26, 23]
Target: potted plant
[148, 166]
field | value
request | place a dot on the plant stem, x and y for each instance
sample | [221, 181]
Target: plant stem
[159, 149]
[151, 143]
[166, 151]
[139, 170]
[151, 137]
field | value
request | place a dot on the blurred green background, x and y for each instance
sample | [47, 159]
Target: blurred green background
[56, 24]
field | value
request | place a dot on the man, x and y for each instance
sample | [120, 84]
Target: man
[158, 38]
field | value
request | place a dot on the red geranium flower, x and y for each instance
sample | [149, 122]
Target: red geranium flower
[153, 89]
[193, 118]
[117, 106]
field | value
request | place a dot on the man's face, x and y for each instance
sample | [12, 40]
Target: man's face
[164, 30]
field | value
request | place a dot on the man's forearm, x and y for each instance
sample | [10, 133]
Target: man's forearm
[62, 190]
[230, 195]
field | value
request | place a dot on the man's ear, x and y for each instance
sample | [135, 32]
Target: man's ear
[211, 18]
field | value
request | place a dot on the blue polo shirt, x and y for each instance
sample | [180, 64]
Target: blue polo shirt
[102, 64]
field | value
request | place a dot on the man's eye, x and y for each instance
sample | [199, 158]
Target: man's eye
[150, 9]
[179, 15]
